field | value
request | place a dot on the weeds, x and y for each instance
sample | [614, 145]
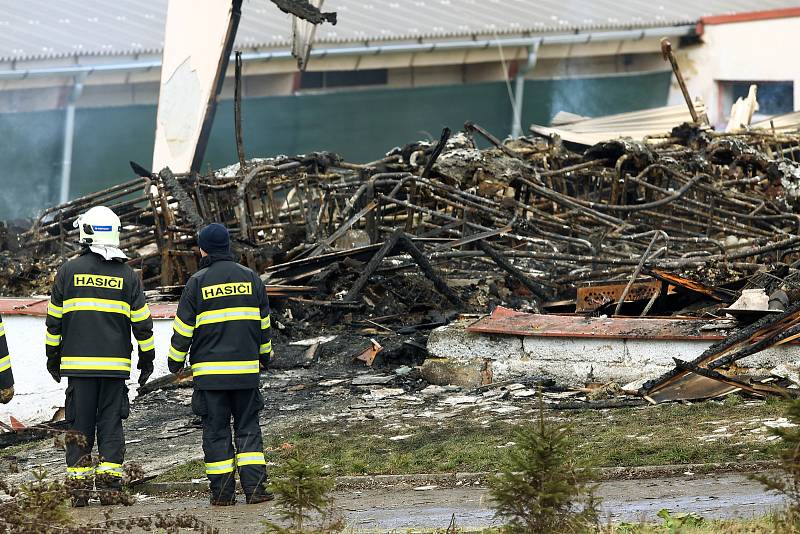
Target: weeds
[41, 506]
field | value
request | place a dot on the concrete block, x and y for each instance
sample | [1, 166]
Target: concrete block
[444, 372]
[464, 358]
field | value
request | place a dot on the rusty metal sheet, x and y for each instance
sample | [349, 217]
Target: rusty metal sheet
[722, 295]
[681, 383]
[505, 321]
[593, 297]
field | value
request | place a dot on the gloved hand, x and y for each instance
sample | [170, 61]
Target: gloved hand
[6, 395]
[146, 369]
[174, 367]
[263, 363]
[54, 368]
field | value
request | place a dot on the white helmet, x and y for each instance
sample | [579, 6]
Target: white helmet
[99, 226]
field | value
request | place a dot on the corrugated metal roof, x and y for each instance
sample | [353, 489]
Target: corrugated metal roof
[634, 124]
[38, 29]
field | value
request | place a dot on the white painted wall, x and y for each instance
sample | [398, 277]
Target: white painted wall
[37, 396]
[758, 50]
[571, 361]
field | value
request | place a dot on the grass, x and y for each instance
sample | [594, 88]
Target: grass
[707, 432]
[764, 525]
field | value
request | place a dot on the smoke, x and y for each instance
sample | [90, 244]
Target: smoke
[30, 161]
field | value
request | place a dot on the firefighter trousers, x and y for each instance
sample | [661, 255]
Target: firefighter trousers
[216, 407]
[96, 406]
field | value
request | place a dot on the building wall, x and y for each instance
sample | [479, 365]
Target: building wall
[362, 125]
[742, 51]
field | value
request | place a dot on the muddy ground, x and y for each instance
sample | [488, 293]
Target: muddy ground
[398, 510]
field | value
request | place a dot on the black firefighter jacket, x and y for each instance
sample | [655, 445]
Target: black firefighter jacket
[94, 306]
[223, 318]
[6, 378]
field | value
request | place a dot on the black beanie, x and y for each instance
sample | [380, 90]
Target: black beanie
[214, 238]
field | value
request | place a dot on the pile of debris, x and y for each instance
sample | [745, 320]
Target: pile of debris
[531, 222]
[679, 224]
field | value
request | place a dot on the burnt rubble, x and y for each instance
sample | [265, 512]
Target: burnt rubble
[673, 225]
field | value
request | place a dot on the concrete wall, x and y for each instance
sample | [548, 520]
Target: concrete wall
[571, 361]
[37, 396]
[742, 51]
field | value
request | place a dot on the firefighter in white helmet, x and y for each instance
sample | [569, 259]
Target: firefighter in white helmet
[96, 301]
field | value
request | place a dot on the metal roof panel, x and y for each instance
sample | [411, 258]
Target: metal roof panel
[42, 29]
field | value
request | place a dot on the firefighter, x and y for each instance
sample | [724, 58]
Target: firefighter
[6, 378]
[96, 301]
[223, 317]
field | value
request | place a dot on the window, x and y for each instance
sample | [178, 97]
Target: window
[774, 98]
[343, 78]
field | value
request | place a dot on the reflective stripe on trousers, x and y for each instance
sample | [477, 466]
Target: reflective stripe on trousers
[80, 472]
[219, 468]
[109, 468]
[250, 458]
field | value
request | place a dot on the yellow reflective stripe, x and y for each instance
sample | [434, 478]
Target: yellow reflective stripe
[98, 305]
[175, 354]
[148, 344]
[141, 314]
[79, 472]
[5, 363]
[109, 468]
[95, 363]
[225, 368]
[265, 322]
[2, 329]
[52, 340]
[228, 314]
[265, 348]
[182, 328]
[55, 311]
[219, 468]
[250, 458]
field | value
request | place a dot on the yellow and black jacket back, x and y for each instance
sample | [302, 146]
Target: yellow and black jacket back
[94, 306]
[223, 324]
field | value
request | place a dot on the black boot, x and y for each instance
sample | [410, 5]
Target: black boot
[259, 497]
[79, 492]
[223, 501]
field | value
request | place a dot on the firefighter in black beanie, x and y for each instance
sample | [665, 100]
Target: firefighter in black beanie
[223, 325]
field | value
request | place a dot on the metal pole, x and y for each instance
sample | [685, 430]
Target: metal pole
[69, 135]
[519, 88]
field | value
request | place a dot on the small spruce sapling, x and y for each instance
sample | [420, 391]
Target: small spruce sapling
[540, 489]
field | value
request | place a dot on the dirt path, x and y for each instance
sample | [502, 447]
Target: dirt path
[387, 510]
